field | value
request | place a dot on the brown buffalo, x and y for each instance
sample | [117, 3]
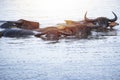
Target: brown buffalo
[50, 33]
[101, 21]
[81, 23]
[77, 30]
[25, 24]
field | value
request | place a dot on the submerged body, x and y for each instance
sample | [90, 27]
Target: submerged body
[16, 32]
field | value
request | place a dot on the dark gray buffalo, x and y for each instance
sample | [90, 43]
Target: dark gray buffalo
[103, 22]
[16, 32]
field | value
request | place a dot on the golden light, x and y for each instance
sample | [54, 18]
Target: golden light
[55, 7]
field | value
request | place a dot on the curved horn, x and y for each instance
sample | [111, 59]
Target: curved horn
[86, 19]
[114, 19]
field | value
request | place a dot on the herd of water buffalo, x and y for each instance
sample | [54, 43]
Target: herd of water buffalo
[76, 29]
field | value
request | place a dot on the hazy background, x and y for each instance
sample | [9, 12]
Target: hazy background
[56, 11]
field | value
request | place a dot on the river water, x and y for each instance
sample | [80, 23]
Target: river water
[69, 59]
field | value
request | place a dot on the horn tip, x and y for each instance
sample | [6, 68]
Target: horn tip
[113, 12]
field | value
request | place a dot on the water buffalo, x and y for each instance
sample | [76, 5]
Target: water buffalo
[23, 24]
[15, 32]
[50, 33]
[76, 30]
[81, 23]
[8, 25]
[30, 25]
[101, 21]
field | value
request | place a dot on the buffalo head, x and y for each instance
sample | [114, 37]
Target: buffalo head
[101, 21]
